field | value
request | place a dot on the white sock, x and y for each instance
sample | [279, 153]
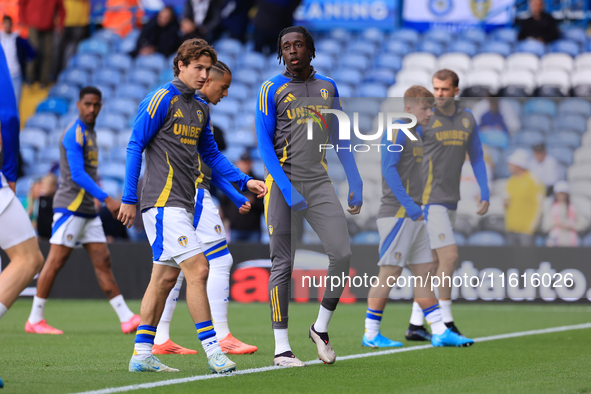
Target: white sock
[324, 316]
[142, 350]
[372, 328]
[37, 310]
[3, 310]
[445, 306]
[163, 330]
[218, 291]
[121, 308]
[417, 316]
[434, 320]
[281, 340]
[211, 346]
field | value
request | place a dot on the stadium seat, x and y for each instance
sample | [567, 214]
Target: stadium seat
[487, 79]
[122, 106]
[433, 47]
[587, 139]
[587, 240]
[112, 187]
[579, 171]
[381, 75]
[85, 61]
[65, 91]
[518, 83]
[108, 36]
[581, 189]
[243, 138]
[462, 46]
[486, 238]
[508, 35]
[572, 122]
[568, 139]
[53, 105]
[581, 83]
[165, 76]
[328, 46]
[488, 61]
[321, 60]
[362, 47]
[460, 239]
[51, 154]
[357, 62]
[75, 77]
[528, 138]
[463, 224]
[540, 106]
[575, 34]
[155, 62]
[123, 138]
[341, 35]
[34, 138]
[389, 61]
[563, 155]
[230, 45]
[228, 106]
[498, 187]
[351, 76]
[420, 60]
[105, 138]
[373, 35]
[94, 47]
[118, 61]
[108, 77]
[583, 155]
[575, 106]
[476, 36]
[500, 48]
[145, 77]
[24, 185]
[347, 91]
[540, 122]
[439, 35]
[28, 154]
[565, 46]
[131, 91]
[531, 46]
[559, 61]
[112, 171]
[583, 61]
[128, 44]
[398, 48]
[553, 83]
[494, 138]
[112, 122]
[44, 121]
[492, 223]
[366, 238]
[254, 60]
[408, 36]
[414, 77]
[523, 61]
[454, 61]
[224, 123]
[247, 77]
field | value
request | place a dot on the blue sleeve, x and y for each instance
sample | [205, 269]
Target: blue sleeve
[346, 157]
[209, 151]
[10, 123]
[390, 162]
[74, 141]
[478, 165]
[150, 117]
[227, 188]
[265, 122]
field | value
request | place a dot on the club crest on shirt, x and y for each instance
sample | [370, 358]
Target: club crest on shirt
[397, 255]
[324, 93]
[200, 115]
[69, 237]
[270, 230]
[218, 229]
[183, 240]
[466, 122]
[442, 237]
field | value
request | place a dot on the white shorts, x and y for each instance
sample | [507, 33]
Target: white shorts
[171, 234]
[440, 221]
[15, 224]
[71, 230]
[403, 242]
[207, 221]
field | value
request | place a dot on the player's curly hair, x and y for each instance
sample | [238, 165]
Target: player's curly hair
[193, 49]
[295, 29]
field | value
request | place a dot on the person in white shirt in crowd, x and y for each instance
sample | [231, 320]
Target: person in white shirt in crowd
[18, 51]
[545, 167]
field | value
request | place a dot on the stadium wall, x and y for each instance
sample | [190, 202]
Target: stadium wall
[547, 271]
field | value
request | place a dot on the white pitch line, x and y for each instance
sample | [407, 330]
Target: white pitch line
[343, 358]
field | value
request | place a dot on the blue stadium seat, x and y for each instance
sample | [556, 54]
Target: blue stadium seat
[244, 121]
[75, 77]
[495, 138]
[460, 238]
[323, 61]
[575, 34]
[229, 45]
[347, 75]
[228, 106]
[565, 46]
[372, 90]
[111, 121]
[398, 48]
[165, 76]
[107, 35]
[362, 47]
[501, 167]
[486, 238]
[409, 36]
[357, 62]
[118, 154]
[575, 106]
[131, 91]
[45, 121]
[528, 138]
[112, 171]
[346, 90]
[381, 75]
[53, 105]
[540, 106]
[433, 47]
[366, 238]
[243, 138]
[586, 239]
[253, 60]
[123, 139]
[54, 138]
[112, 78]
[463, 46]
[145, 77]
[128, 44]
[438, 35]
[94, 47]
[500, 47]
[531, 46]
[155, 62]
[118, 61]
[567, 139]
[563, 155]
[51, 154]
[373, 35]
[105, 138]
[224, 123]
[248, 77]
[339, 34]
[572, 122]
[106, 91]
[508, 35]
[112, 187]
[389, 61]
[24, 185]
[85, 61]
[122, 106]
[34, 138]
[65, 91]
[476, 36]
[242, 92]
[541, 122]
[39, 169]
[332, 47]
[29, 155]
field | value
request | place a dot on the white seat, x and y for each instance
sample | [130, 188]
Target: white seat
[485, 78]
[521, 78]
[409, 76]
[420, 60]
[581, 77]
[523, 61]
[583, 61]
[498, 187]
[554, 78]
[578, 172]
[583, 155]
[488, 61]
[586, 137]
[398, 89]
[105, 138]
[581, 189]
[560, 61]
[454, 61]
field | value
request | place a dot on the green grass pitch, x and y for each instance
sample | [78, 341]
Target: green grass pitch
[93, 353]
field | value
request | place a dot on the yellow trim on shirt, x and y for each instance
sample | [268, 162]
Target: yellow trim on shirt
[268, 183]
[167, 187]
[402, 211]
[217, 250]
[429, 185]
[77, 201]
[156, 102]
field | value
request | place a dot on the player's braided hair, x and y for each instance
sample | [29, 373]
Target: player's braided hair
[221, 68]
[295, 29]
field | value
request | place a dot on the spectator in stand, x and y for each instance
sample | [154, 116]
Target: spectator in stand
[18, 52]
[235, 18]
[202, 19]
[545, 167]
[247, 227]
[122, 16]
[540, 26]
[493, 119]
[45, 206]
[271, 17]
[160, 34]
[523, 201]
[75, 30]
[564, 218]
[39, 17]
